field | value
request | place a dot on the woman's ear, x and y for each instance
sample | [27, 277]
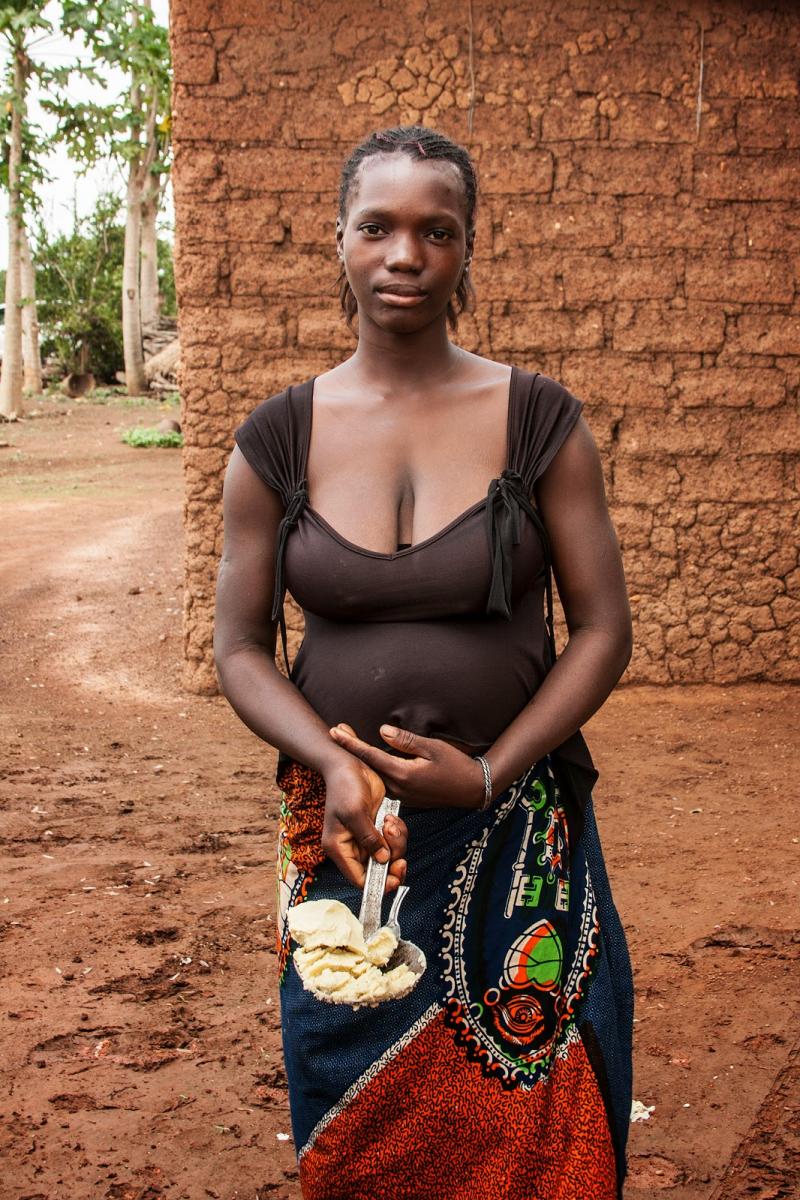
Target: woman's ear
[340, 238]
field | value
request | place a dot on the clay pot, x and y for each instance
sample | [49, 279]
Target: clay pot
[78, 384]
[168, 426]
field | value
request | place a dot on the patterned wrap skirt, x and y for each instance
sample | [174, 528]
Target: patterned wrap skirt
[506, 1073]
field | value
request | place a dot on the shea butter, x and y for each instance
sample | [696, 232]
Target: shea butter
[337, 963]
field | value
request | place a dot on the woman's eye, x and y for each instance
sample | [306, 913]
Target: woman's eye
[370, 229]
[441, 235]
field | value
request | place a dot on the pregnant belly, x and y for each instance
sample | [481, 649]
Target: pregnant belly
[463, 681]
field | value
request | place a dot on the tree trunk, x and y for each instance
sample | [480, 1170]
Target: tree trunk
[31, 354]
[151, 299]
[133, 351]
[11, 376]
[135, 381]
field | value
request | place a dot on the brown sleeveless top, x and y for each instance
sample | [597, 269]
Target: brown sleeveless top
[446, 637]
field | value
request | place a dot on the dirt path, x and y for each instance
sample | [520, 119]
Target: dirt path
[140, 1040]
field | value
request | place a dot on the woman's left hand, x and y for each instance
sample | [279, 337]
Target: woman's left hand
[435, 775]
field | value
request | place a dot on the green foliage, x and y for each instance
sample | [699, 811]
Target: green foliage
[79, 282]
[166, 278]
[141, 436]
[24, 28]
[123, 35]
[32, 172]
[20, 17]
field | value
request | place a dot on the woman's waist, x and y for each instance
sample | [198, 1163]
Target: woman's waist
[459, 684]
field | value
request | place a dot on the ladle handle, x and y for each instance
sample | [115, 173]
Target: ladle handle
[393, 920]
[375, 882]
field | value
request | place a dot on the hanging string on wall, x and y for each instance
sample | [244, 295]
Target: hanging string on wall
[698, 114]
[471, 63]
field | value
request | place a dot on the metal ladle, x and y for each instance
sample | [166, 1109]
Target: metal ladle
[372, 904]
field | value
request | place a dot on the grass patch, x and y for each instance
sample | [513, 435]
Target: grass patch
[142, 436]
[118, 396]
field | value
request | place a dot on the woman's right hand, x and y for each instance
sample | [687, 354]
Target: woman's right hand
[353, 795]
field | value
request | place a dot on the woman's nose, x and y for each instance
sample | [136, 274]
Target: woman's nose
[403, 253]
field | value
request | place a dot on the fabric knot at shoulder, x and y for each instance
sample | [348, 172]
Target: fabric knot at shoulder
[507, 496]
[297, 502]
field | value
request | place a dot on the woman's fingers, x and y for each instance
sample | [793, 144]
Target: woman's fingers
[351, 851]
[355, 871]
[404, 740]
[351, 838]
[349, 865]
[396, 833]
[351, 860]
[407, 742]
[379, 760]
[397, 875]
[348, 860]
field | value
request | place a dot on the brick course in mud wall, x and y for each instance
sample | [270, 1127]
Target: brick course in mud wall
[638, 239]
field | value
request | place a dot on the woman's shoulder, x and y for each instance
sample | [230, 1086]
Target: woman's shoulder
[540, 385]
[533, 384]
[273, 436]
[545, 414]
[279, 407]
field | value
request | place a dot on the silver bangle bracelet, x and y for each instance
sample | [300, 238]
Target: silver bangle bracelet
[487, 782]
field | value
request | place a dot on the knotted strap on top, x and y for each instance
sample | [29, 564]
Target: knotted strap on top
[506, 497]
[297, 502]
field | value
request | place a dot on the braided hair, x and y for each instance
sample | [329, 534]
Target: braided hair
[417, 142]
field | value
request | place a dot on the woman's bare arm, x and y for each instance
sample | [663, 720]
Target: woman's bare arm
[244, 632]
[265, 700]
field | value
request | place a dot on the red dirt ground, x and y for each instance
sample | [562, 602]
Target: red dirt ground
[139, 1016]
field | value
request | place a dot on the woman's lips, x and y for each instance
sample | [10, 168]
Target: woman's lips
[403, 299]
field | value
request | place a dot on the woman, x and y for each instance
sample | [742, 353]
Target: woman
[412, 499]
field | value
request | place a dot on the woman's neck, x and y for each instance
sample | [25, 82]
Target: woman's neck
[405, 362]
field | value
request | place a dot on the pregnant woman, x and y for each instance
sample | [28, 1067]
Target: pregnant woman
[413, 500]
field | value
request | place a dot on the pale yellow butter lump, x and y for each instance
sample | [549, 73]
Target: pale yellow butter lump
[326, 923]
[381, 946]
[337, 964]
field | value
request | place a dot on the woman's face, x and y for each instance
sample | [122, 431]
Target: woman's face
[404, 240]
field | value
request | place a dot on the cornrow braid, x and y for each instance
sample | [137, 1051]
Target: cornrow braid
[418, 142]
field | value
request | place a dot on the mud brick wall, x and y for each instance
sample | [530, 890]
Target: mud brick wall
[639, 239]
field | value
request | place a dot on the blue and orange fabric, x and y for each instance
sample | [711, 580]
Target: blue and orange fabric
[505, 1074]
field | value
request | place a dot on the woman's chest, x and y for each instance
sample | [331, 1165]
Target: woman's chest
[448, 575]
[389, 472]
